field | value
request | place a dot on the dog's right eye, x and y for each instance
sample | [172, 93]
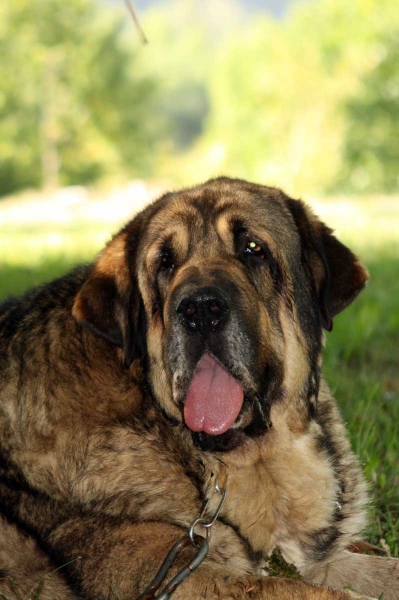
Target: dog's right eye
[166, 262]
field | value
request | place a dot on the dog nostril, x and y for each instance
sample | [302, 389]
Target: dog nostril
[214, 307]
[190, 310]
[215, 324]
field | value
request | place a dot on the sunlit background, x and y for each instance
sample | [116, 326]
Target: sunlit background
[302, 95]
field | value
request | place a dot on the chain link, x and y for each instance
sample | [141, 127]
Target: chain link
[199, 542]
[201, 520]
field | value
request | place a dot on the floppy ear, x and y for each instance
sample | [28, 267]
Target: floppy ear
[336, 271]
[109, 302]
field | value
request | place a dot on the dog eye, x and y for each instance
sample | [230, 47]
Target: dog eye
[254, 249]
[166, 262]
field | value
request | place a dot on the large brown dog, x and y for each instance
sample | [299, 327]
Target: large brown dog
[190, 351]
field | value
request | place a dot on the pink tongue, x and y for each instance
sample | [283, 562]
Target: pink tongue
[214, 398]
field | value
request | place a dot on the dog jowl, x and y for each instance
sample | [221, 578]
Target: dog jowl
[193, 341]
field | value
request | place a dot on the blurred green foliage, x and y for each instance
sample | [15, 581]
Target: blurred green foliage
[71, 107]
[309, 103]
[293, 102]
[372, 140]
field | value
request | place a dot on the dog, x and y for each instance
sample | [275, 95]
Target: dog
[185, 363]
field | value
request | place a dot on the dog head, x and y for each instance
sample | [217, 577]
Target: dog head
[223, 290]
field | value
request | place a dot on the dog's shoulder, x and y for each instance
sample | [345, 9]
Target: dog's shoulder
[38, 301]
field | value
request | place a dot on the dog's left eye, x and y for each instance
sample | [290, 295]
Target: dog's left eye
[254, 249]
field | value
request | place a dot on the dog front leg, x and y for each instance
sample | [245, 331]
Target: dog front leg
[370, 575]
[120, 560]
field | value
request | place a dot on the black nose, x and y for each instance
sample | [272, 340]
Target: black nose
[204, 311]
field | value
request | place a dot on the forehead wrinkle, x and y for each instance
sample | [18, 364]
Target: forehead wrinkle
[169, 218]
[212, 206]
[177, 238]
[223, 206]
[223, 228]
[210, 203]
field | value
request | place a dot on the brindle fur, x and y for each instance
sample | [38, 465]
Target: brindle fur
[96, 464]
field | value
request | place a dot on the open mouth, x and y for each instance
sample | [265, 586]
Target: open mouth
[214, 398]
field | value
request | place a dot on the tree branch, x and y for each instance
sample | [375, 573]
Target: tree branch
[130, 8]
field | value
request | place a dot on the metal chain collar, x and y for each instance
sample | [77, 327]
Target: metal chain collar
[199, 542]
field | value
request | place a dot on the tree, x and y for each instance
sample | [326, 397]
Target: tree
[72, 107]
[372, 139]
[279, 92]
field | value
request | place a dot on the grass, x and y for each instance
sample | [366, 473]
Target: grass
[361, 360]
[36, 590]
[361, 366]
